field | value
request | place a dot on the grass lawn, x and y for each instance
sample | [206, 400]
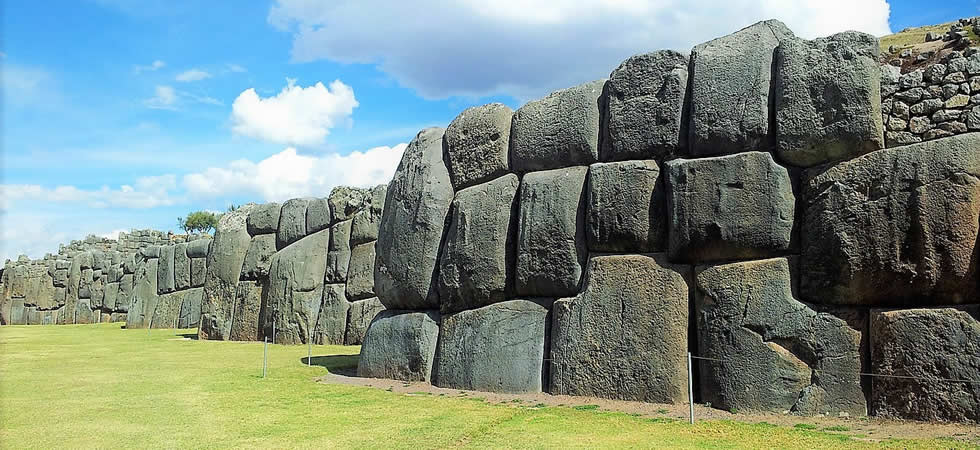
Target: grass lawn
[101, 386]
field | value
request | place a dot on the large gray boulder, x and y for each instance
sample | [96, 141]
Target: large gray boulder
[246, 318]
[729, 207]
[551, 247]
[259, 257]
[292, 222]
[198, 248]
[338, 252]
[730, 86]
[182, 267]
[411, 230]
[125, 296]
[359, 317]
[364, 225]
[643, 116]
[190, 309]
[476, 144]
[199, 271]
[166, 314]
[317, 215]
[557, 131]
[496, 348]
[111, 296]
[894, 227]
[345, 201]
[264, 218]
[626, 207]
[331, 322]
[625, 335]
[827, 98]
[228, 249]
[166, 282]
[770, 351]
[919, 352]
[296, 288]
[145, 297]
[360, 274]
[477, 263]
[400, 345]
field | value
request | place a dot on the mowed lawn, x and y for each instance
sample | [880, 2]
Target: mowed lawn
[102, 386]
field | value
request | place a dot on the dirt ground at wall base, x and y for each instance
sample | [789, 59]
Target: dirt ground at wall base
[862, 428]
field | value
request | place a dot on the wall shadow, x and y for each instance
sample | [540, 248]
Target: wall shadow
[345, 365]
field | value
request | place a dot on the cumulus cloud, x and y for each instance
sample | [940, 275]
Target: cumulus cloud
[152, 67]
[526, 49]
[147, 192]
[165, 98]
[296, 116]
[288, 174]
[192, 75]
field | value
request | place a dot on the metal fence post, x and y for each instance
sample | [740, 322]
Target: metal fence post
[265, 357]
[690, 386]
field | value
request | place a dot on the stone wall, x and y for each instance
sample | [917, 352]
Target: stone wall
[168, 285]
[738, 203]
[294, 272]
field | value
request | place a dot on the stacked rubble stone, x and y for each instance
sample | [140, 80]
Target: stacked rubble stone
[294, 272]
[737, 203]
[937, 101]
[168, 285]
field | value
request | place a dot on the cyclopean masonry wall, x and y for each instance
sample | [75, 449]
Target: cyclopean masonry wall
[738, 203]
[295, 271]
[88, 281]
[168, 285]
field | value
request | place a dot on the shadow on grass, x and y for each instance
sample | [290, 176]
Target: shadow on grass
[345, 365]
[188, 336]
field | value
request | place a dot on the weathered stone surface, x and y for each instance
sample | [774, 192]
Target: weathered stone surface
[411, 231]
[477, 263]
[182, 267]
[932, 346]
[167, 311]
[359, 317]
[190, 309]
[246, 320]
[644, 108]
[85, 284]
[111, 296]
[729, 207]
[625, 335]
[364, 225]
[198, 248]
[264, 218]
[144, 298]
[894, 227]
[778, 353]
[345, 201]
[317, 215]
[231, 242]
[338, 254]
[730, 86]
[331, 321]
[360, 275]
[83, 313]
[259, 257]
[292, 222]
[827, 98]
[166, 282]
[296, 288]
[400, 345]
[477, 144]
[626, 207]
[125, 296]
[60, 278]
[557, 131]
[551, 247]
[496, 348]
[199, 271]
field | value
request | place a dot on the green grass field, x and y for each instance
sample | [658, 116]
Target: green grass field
[88, 386]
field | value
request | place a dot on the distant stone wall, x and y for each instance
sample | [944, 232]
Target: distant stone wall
[294, 272]
[168, 285]
[738, 203]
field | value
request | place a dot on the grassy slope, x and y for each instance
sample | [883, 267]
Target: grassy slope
[917, 36]
[99, 386]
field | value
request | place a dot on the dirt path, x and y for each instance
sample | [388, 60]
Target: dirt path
[866, 428]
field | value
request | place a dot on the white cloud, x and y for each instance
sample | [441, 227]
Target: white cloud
[27, 86]
[147, 192]
[165, 98]
[235, 68]
[526, 49]
[296, 116]
[152, 67]
[288, 174]
[192, 75]
[114, 234]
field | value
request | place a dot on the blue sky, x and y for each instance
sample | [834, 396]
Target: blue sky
[122, 114]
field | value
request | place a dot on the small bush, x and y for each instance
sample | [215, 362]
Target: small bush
[837, 428]
[586, 407]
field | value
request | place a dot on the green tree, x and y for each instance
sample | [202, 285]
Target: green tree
[202, 221]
